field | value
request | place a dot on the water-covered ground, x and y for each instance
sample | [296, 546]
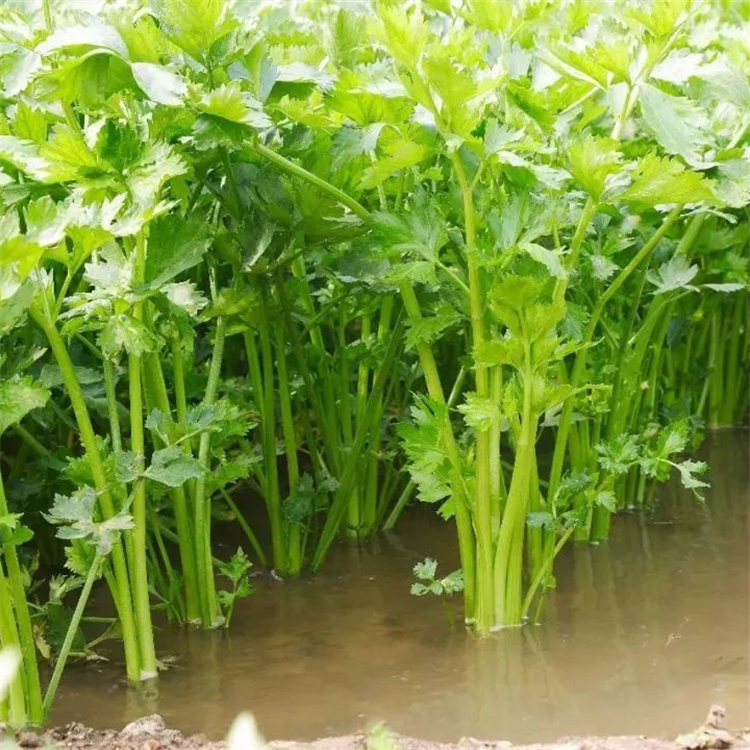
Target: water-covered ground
[641, 636]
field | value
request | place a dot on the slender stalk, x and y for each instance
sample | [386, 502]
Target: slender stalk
[294, 169]
[398, 508]
[294, 551]
[543, 572]
[138, 508]
[23, 618]
[464, 524]
[121, 590]
[348, 478]
[70, 635]
[580, 360]
[154, 376]
[268, 427]
[202, 508]
[30, 440]
[254, 543]
[17, 713]
[112, 412]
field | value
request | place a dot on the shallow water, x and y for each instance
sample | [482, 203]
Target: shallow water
[642, 634]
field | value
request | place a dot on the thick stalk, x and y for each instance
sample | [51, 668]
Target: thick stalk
[483, 462]
[138, 508]
[716, 370]
[372, 513]
[497, 480]
[323, 399]
[463, 518]
[509, 554]
[112, 412]
[351, 527]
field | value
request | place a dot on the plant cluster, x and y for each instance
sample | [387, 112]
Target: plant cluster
[307, 260]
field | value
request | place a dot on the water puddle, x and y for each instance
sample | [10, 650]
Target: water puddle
[641, 636]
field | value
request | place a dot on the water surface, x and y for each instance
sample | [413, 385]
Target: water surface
[642, 634]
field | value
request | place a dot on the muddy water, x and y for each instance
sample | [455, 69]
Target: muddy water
[641, 636]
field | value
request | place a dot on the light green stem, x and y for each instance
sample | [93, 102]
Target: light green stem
[121, 591]
[202, 509]
[70, 635]
[580, 360]
[138, 508]
[23, 618]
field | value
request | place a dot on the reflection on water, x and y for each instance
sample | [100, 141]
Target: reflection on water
[641, 636]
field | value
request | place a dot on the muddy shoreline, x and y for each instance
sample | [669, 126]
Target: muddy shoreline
[151, 733]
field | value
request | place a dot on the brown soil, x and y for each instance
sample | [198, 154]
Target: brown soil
[150, 733]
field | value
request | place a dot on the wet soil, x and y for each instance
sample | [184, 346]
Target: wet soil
[150, 733]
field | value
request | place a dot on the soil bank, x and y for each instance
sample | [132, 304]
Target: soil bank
[150, 733]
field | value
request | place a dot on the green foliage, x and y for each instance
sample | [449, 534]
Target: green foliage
[337, 255]
[19, 396]
[75, 517]
[235, 571]
[428, 583]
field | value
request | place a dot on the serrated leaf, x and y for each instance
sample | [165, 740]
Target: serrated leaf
[592, 160]
[602, 267]
[77, 508]
[126, 333]
[10, 520]
[659, 180]
[128, 466]
[173, 467]
[195, 26]
[19, 396]
[540, 519]
[676, 273]
[399, 154]
[229, 102]
[426, 569]
[175, 245]
[679, 66]
[160, 84]
[688, 470]
[606, 499]
[185, 295]
[550, 259]
[497, 137]
[425, 330]
[24, 155]
[352, 142]
[417, 234]
[480, 412]
[403, 34]
[679, 124]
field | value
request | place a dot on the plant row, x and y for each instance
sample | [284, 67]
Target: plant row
[287, 267]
